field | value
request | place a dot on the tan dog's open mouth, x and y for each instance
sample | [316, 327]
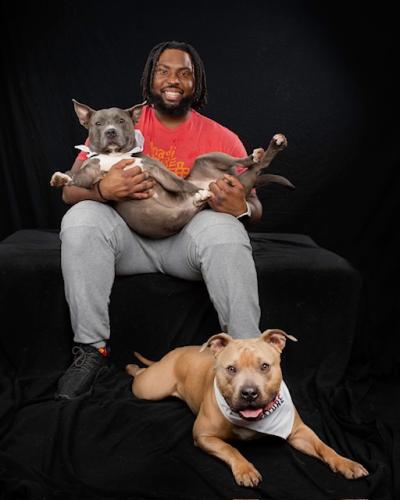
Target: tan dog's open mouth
[251, 413]
[257, 413]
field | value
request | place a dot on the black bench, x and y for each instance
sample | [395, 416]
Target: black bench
[304, 289]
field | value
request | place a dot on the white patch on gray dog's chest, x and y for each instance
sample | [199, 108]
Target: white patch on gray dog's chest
[107, 161]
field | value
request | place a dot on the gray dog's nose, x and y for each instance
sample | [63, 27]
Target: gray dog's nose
[111, 132]
[249, 393]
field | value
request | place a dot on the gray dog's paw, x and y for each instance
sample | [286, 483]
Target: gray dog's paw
[59, 179]
[280, 141]
[258, 154]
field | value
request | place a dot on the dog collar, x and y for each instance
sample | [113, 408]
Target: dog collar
[139, 139]
[277, 420]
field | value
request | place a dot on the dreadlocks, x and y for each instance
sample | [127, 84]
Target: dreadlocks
[200, 90]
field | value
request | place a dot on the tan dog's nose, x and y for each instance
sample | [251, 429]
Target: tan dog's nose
[249, 393]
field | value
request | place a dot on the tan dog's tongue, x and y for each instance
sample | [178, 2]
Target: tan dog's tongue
[251, 413]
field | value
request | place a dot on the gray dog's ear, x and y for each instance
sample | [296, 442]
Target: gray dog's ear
[83, 112]
[136, 111]
[277, 338]
[216, 343]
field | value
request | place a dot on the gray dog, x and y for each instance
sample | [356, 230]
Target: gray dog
[112, 137]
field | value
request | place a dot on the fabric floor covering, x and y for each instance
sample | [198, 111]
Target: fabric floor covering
[112, 445]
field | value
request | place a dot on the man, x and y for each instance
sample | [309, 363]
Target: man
[213, 246]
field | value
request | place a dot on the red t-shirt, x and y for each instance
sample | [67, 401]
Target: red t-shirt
[178, 148]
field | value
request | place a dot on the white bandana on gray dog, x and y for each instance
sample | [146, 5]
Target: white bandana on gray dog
[137, 149]
[277, 420]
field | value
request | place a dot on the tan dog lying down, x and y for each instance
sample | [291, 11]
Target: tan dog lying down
[235, 388]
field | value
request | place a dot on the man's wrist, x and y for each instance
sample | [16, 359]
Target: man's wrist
[99, 192]
[245, 216]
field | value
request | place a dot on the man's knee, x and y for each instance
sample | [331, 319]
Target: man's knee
[209, 228]
[89, 225]
[88, 214]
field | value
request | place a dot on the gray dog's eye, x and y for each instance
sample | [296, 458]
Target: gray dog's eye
[265, 367]
[98, 124]
[121, 120]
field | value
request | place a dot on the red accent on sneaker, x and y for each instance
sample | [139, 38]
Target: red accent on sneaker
[103, 351]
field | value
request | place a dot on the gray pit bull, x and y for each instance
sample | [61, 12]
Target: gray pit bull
[235, 389]
[112, 137]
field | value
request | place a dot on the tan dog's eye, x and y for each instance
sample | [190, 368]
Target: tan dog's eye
[231, 369]
[265, 367]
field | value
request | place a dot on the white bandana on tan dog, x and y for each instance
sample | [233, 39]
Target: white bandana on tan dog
[277, 419]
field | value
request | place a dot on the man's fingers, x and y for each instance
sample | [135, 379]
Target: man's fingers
[232, 181]
[220, 186]
[132, 172]
[214, 188]
[226, 184]
[137, 178]
[217, 195]
[142, 186]
[143, 195]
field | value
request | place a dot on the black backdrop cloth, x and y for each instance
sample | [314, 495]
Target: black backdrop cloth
[323, 73]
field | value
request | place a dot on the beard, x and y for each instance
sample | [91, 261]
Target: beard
[173, 110]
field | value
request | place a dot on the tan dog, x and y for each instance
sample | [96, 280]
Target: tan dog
[235, 388]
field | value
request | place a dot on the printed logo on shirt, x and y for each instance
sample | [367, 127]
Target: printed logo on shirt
[168, 158]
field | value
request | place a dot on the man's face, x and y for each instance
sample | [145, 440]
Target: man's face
[173, 83]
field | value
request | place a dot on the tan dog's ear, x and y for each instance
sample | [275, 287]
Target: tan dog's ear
[83, 112]
[216, 343]
[277, 338]
[136, 111]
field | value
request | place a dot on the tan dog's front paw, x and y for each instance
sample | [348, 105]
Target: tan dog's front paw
[258, 154]
[59, 179]
[246, 474]
[349, 469]
[280, 141]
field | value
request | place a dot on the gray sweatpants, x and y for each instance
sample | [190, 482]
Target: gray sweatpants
[97, 245]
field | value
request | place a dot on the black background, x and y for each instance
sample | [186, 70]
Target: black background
[323, 74]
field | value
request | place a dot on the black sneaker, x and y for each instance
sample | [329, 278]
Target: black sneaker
[79, 377]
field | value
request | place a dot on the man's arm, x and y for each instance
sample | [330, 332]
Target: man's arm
[117, 185]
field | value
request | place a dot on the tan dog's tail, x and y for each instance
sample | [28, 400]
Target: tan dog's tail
[144, 360]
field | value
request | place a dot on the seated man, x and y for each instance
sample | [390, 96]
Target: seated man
[214, 246]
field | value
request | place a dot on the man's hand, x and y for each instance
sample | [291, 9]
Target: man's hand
[228, 196]
[119, 184]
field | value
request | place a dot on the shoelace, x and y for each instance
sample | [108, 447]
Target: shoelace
[81, 356]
